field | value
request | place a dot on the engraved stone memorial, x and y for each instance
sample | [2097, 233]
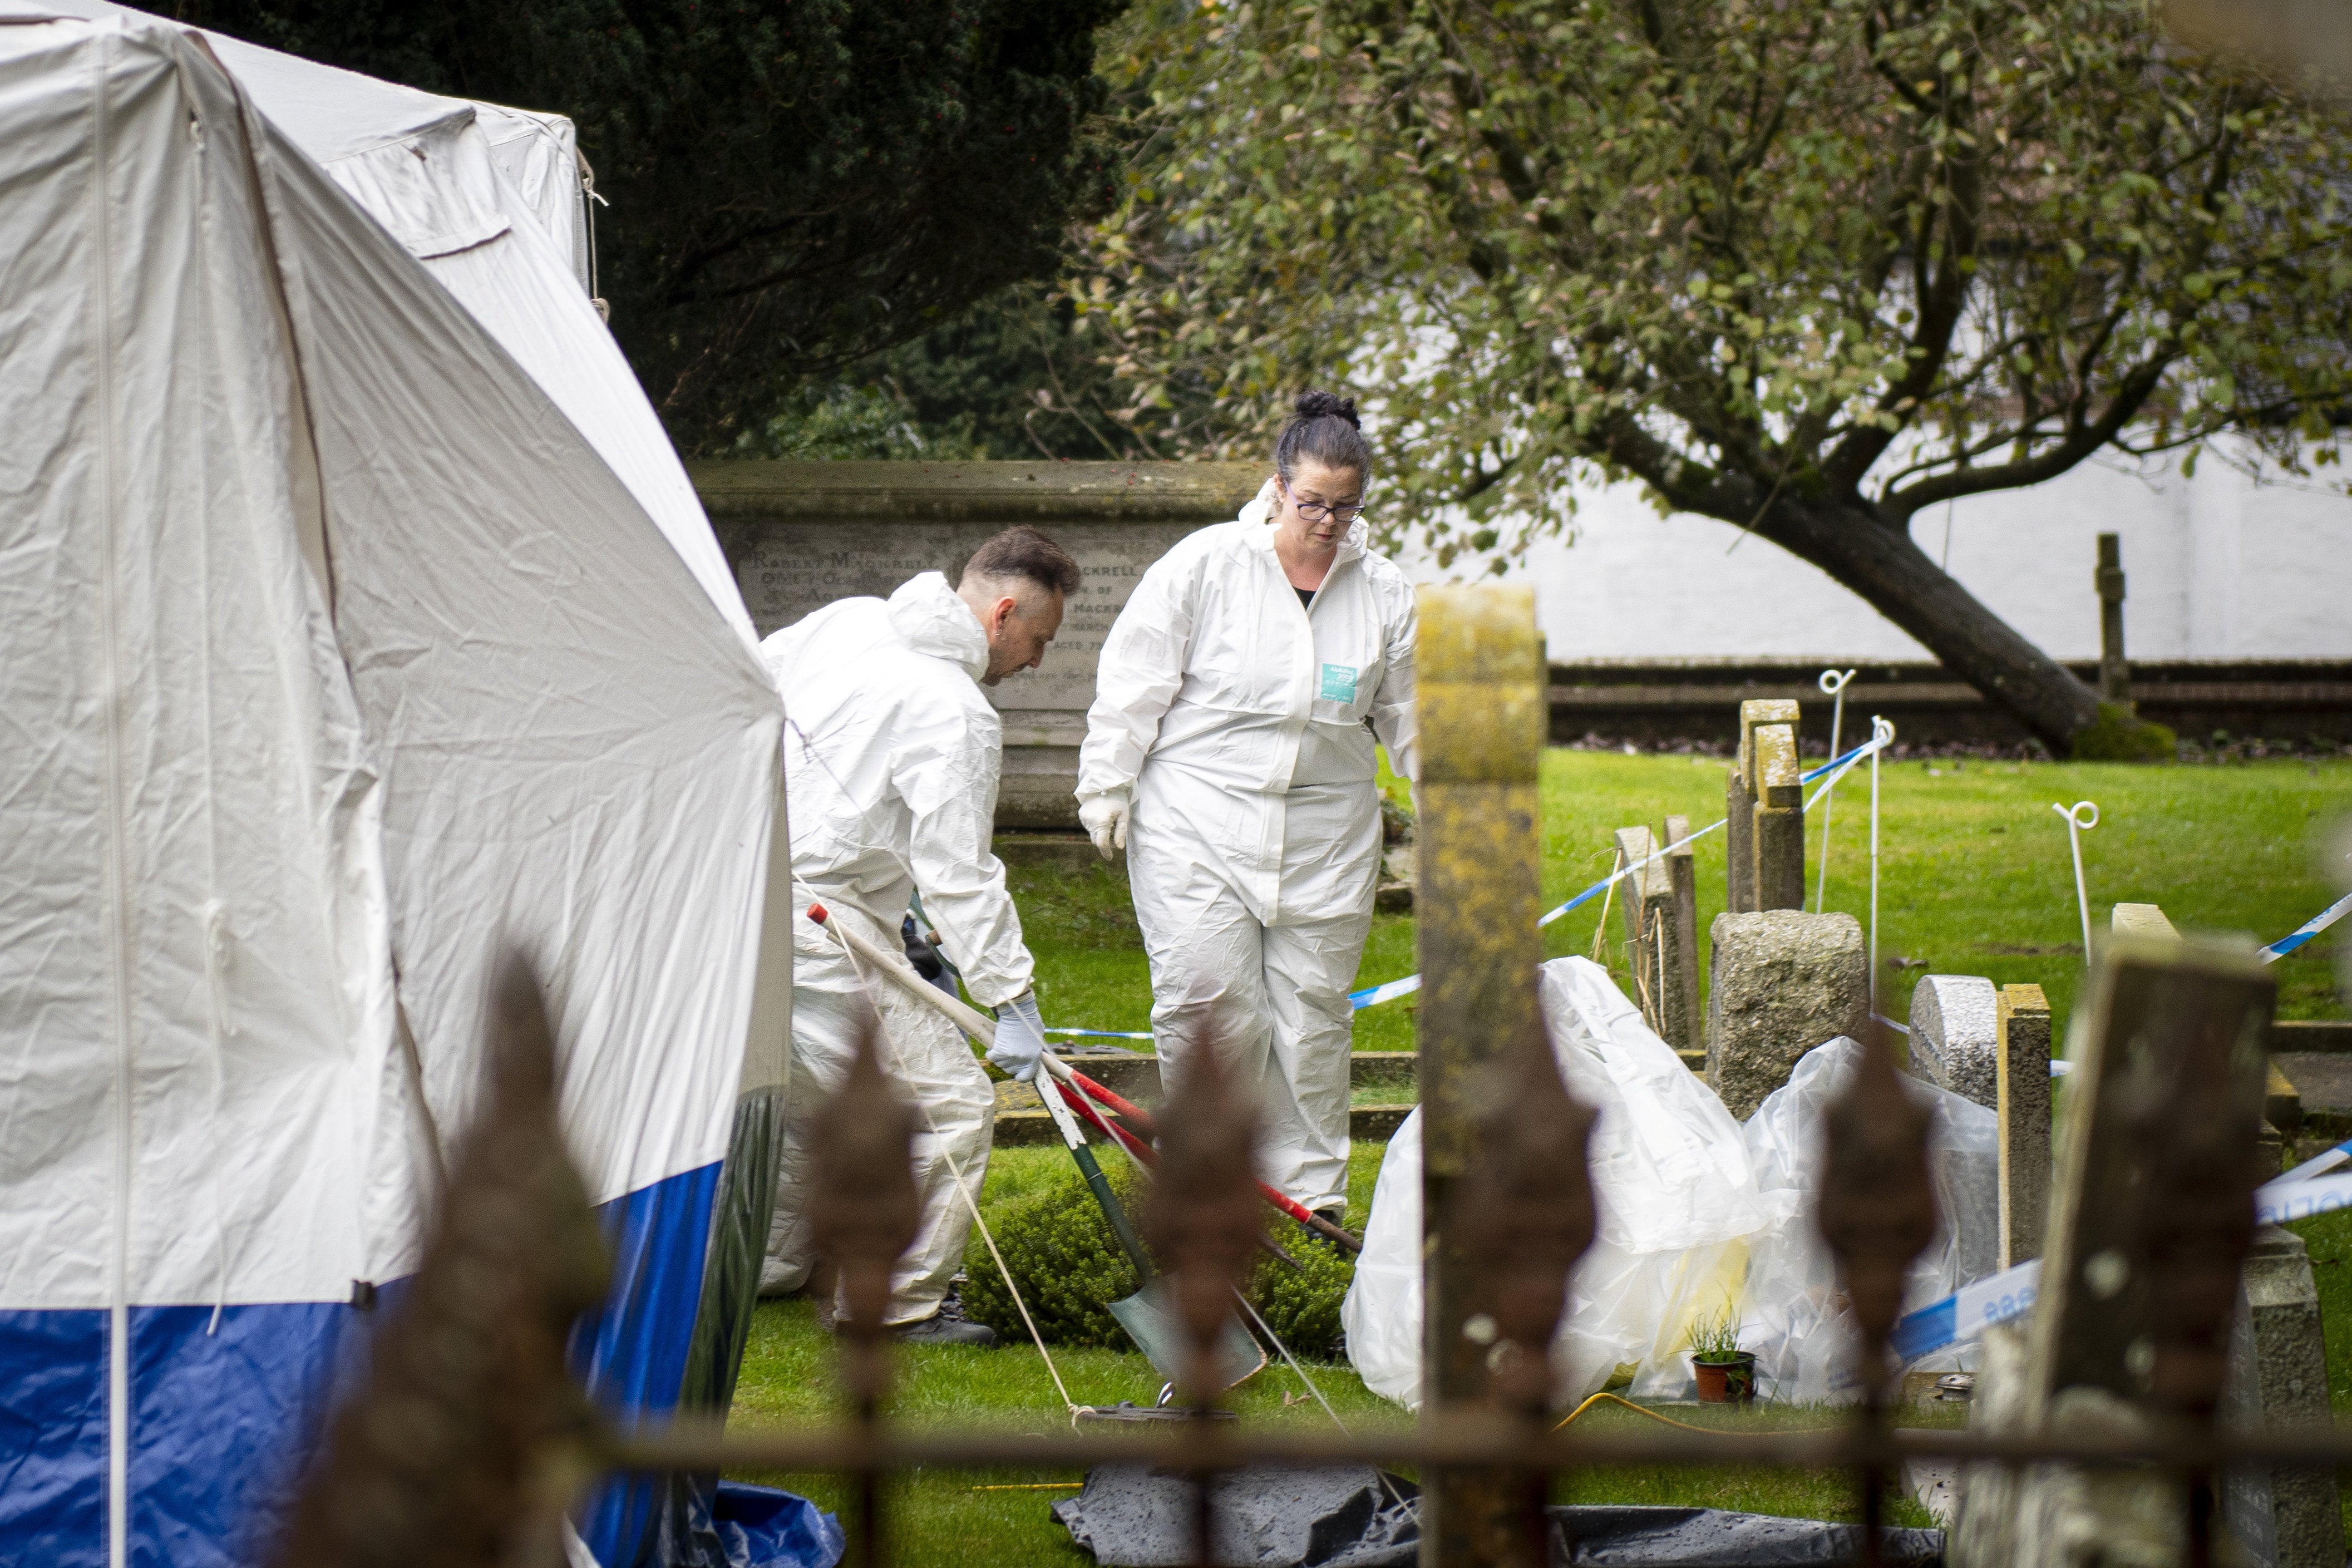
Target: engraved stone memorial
[800, 535]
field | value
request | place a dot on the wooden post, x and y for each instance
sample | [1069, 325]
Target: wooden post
[1481, 733]
[1780, 837]
[2281, 1101]
[2115, 674]
[2149, 1219]
[2022, 1091]
[1682, 944]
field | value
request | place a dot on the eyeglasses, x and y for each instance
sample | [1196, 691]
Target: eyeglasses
[1315, 511]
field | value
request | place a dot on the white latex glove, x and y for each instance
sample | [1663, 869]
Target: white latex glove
[1020, 1038]
[1105, 820]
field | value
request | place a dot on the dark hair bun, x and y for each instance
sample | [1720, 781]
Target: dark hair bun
[1319, 405]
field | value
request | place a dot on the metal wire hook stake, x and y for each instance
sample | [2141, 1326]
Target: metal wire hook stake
[2075, 828]
[1833, 684]
[1881, 735]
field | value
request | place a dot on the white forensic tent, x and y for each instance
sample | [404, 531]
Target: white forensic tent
[357, 623]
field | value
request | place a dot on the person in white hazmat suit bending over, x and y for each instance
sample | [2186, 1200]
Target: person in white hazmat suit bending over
[894, 756]
[1229, 752]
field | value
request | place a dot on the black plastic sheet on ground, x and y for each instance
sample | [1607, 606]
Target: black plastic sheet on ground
[1352, 1516]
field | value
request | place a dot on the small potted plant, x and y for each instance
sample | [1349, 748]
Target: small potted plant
[1727, 1374]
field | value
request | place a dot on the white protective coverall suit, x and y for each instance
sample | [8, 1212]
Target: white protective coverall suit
[1243, 724]
[893, 755]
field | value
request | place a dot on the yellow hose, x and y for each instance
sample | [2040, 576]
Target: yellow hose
[1645, 1410]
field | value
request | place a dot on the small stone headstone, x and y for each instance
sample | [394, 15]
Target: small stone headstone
[1956, 1036]
[2023, 1104]
[1682, 873]
[1783, 982]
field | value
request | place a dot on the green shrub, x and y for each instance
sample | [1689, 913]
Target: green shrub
[2120, 737]
[1064, 1258]
[1068, 1265]
[1302, 1305]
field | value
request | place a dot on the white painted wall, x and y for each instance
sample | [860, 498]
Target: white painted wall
[2218, 567]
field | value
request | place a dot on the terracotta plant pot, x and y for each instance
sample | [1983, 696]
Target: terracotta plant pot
[1729, 1381]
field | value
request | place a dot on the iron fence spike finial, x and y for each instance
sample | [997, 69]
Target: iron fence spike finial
[1877, 1209]
[1526, 1214]
[1202, 1218]
[863, 1207]
[465, 1444]
[864, 1210]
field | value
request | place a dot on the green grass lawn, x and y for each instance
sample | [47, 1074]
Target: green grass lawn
[1974, 874]
[1975, 879]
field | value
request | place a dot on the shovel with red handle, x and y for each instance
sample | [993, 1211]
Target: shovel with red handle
[1146, 1317]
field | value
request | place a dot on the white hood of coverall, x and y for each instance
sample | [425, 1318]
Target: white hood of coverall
[894, 755]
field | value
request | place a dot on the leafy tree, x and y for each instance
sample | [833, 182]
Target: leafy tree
[1806, 266]
[1015, 377]
[794, 185]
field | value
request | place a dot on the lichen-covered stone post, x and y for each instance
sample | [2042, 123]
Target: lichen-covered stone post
[1682, 938]
[1779, 836]
[1784, 981]
[2021, 1101]
[1482, 729]
[1742, 797]
[2151, 1215]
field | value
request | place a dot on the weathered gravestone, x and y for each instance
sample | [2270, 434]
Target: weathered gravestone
[1764, 811]
[2128, 1337]
[1682, 876]
[2278, 1380]
[2023, 1104]
[800, 535]
[1782, 981]
[1956, 1036]
[1653, 937]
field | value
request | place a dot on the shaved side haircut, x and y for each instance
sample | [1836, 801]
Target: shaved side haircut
[1026, 552]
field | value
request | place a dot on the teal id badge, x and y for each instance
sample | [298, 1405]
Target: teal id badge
[1338, 683]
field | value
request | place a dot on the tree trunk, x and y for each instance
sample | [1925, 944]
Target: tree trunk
[1896, 578]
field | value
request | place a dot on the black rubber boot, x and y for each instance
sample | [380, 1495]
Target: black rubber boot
[936, 1329]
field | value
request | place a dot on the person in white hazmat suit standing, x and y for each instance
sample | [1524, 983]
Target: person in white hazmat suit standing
[894, 756]
[1230, 753]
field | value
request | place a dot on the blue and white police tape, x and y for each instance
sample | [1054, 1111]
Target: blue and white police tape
[1969, 1312]
[2309, 929]
[1389, 990]
[1840, 766]
[2298, 1195]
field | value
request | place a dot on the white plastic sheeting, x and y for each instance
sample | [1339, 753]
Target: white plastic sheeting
[1675, 1199]
[1697, 1218]
[1793, 1316]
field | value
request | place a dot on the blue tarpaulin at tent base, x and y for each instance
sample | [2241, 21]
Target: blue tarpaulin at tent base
[764, 1528]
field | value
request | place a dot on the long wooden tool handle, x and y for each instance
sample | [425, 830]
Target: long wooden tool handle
[896, 966]
[984, 1029]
